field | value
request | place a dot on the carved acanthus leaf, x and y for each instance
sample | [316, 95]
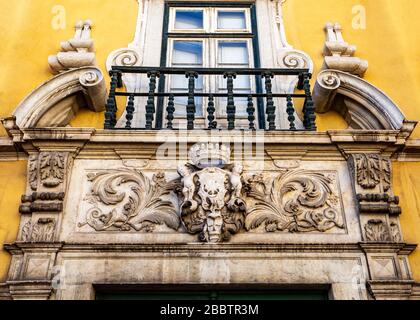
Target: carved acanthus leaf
[52, 165]
[368, 170]
[126, 199]
[298, 201]
[395, 232]
[43, 230]
[376, 230]
[33, 172]
[26, 231]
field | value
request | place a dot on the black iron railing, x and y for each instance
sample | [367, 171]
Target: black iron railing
[266, 107]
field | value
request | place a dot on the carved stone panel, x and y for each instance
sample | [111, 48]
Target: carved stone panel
[215, 204]
[127, 200]
[295, 201]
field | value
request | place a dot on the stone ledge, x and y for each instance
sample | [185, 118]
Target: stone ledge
[415, 295]
[19, 247]
[392, 247]
[391, 289]
[30, 289]
[4, 292]
[401, 248]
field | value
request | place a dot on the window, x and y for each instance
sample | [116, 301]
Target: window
[209, 37]
[231, 20]
[189, 20]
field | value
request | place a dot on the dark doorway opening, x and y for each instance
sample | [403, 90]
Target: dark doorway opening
[209, 292]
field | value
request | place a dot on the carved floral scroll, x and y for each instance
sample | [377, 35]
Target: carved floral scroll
[296, 201]
[127, 200]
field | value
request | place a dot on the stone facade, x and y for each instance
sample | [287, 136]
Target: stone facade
[327, 217]
[127, 207]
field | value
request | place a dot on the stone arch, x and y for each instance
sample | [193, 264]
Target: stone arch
[55, 102]
[362, 105]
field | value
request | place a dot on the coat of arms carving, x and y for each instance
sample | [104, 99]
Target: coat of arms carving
[212, 203]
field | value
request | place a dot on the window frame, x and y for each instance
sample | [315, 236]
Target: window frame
[170, 33]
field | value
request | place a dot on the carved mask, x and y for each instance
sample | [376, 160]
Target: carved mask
[213, 228]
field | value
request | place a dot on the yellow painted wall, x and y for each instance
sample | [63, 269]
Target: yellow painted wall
[390, 43]
[407, 186]
[12, 186]
[28, 38]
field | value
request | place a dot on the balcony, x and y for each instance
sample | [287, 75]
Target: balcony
[260, 105]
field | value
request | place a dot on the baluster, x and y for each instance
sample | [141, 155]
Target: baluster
[130, 111]
[251, 113]
[111, 104]
[150, 106]
[270, 108]
[290, 110]
[191, 109]
[231, 108]
[300, 82]
[170, 112]
[308, 108]
[210, 111]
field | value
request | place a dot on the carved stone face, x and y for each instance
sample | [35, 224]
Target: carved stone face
[214, 227]
[212, 189]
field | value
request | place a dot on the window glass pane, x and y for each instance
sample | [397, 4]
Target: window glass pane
[241, 105]
[180, 104]
[233, 53]
[179, 81]
[241, 82]
[231, 20]
[189, 19]
[188, 52]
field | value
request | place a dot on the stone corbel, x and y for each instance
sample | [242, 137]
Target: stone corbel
[339, 55]
[76, 52]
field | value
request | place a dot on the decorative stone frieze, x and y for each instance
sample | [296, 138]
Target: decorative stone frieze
[295, 201]
[140, 208]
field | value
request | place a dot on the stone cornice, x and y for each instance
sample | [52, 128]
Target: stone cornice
[411, 151]
[400, 248]
[20, 247]
[124, 144]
